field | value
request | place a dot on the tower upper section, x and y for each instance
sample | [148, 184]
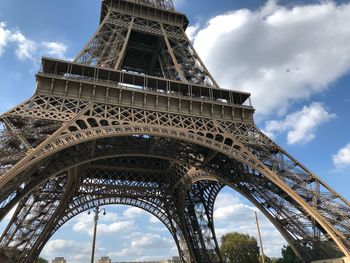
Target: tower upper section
[146, 39]
[165, 4]
[161, 11]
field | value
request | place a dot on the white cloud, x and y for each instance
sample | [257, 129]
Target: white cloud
[142, 245]
[226, 199]
[61, 245]
[192, 31]
[232, 214]
[178, 3]
[278, 54]
[301, 125]
[342, 158]
[222, 213]
[8, 217]
[27, 49]
[73, 251]
[269, 8]
[84, 224]
[125, 252]
[83, 227]
[55, 49]
[110, 217]
[118, 227]
[4, 37]
[230, 207]
[151, 241]
[106, 229]
[118, 237]
[154, 220]
[134, 212]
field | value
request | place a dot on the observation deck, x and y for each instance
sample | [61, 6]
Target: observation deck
[85, 82]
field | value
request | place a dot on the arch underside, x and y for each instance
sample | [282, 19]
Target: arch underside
[86, 139]
[159, 186]
[170, 165]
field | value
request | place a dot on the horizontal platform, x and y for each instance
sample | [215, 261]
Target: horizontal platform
[67, 79]
[140, 81]
[135, 9]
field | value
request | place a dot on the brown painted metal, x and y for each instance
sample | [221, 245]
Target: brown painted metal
[137, 119]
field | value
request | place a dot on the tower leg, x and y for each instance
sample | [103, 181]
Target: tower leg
[34, 215]
[198, 214]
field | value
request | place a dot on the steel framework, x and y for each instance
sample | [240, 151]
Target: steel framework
[137, 119]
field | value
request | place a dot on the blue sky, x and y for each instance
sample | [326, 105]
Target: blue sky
[293, 56]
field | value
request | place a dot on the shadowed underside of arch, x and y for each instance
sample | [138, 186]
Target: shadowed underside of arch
[157, 185]
[138, 119]
[177, 181]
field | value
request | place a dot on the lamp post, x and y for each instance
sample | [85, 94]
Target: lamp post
[260, 239]
[97, 211]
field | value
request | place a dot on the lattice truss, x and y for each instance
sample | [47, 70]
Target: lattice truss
[122, 42]
[308, 213]
[155, 185]
[199, 210]
[61, 155]
[165, 4]
[104, 48]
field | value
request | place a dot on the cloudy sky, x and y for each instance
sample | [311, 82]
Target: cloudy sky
[292, 55]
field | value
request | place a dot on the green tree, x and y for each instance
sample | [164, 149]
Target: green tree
[289, 256]
[239, 248]
[41, 260]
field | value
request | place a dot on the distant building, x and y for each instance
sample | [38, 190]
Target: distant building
[104, 260]
[59, 260]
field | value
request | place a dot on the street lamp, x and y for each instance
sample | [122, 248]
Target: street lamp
[97, 211]
[259, 234]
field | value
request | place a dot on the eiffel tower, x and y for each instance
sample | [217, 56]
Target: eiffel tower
[137, 119]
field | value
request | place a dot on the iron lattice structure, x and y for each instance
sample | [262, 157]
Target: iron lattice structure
[137, 119]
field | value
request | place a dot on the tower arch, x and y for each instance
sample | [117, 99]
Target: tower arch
[138, 91]
[262, 191]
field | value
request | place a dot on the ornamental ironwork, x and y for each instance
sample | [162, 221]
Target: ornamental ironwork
[137, 119]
